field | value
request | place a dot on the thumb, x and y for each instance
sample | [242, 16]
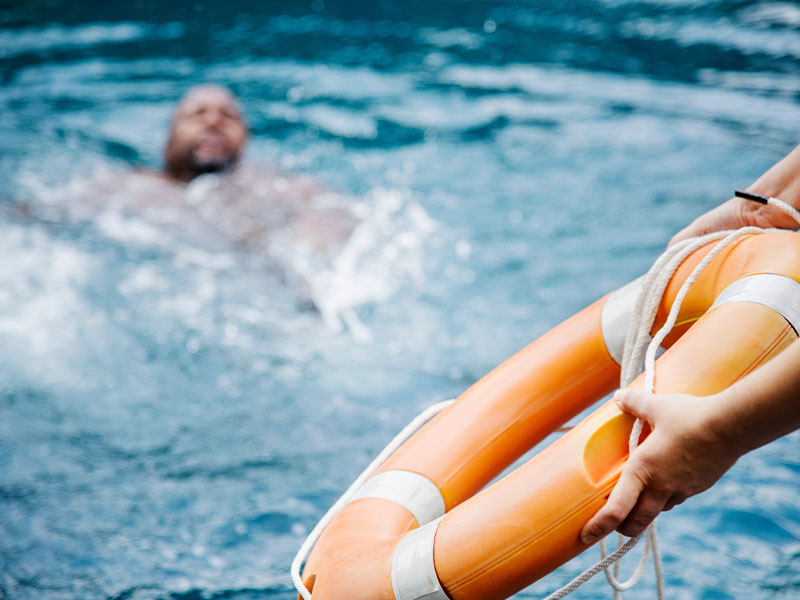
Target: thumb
[638, 403]
[700, 226]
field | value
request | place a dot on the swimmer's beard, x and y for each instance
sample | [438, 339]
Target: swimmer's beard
[198, 166]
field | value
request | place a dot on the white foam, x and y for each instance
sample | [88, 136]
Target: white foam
[60, 37]
[594, 89]
[342, 122]
[456, 37]
[384, 253]
[41, 306]
[777, 13]
[130, 230]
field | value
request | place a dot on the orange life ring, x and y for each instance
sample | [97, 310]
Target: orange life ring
[421, 528]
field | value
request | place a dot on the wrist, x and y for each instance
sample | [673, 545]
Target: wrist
[756, 214]
[725, 422]
[782, 180]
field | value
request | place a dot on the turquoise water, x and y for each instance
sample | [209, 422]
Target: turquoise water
[174, 413]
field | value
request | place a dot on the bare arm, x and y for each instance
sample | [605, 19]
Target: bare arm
[694, 441]
[781, 181]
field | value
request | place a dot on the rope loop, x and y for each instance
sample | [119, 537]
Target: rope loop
[390, 448]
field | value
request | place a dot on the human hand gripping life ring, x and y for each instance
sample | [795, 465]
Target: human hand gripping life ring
[423, 528]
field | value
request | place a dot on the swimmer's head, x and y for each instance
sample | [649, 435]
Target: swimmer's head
[207, 135]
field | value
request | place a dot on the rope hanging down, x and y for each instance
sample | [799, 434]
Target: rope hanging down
[637, 344]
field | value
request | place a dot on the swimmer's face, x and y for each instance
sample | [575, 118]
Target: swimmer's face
[207, 135]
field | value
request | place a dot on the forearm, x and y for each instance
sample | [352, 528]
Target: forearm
[782, 180]
[695, 440]
[763, 406]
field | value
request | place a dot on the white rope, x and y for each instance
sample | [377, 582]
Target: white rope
[784, 207]
[644, 311]
[592, 571]
[637, 342]
[390, 448]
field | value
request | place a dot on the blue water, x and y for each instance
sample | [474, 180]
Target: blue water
[175, 415]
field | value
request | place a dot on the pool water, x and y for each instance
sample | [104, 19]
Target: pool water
[175, 412]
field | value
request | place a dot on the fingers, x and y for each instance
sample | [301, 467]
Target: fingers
[700, 226]
[648, 507]
[637, 403]
[673, 501]
[620, 502]
[725, 216]
[640, 494]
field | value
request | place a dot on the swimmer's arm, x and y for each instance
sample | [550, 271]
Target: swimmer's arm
[694, 441]
[325, 221]
[326, 231]
[781, 181]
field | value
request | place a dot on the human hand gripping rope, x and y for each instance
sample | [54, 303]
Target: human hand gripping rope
[652, 288]
[637, 344]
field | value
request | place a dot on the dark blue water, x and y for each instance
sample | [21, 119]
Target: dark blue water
[175, 415]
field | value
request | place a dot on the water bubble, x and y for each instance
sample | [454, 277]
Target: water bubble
[463, 249]
[217, 562]
[169, 554]
[434, 60]
[179, 584]
[294, 94]
[407, 239]
[455, 373]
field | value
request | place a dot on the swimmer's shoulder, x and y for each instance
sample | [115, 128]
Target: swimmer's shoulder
[157, 176]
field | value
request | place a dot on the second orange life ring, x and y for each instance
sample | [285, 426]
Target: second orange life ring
[422, 528]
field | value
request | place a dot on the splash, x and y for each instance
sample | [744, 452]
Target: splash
[332, 250]
[384, 253]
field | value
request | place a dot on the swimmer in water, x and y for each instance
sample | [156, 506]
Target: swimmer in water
[208, 196]
[207, 135]
[250, 206]
[291, 218]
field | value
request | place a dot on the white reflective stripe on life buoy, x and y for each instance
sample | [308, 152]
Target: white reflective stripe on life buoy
[778, 292]
[415, 492]
[413, 571]
[616, 315]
